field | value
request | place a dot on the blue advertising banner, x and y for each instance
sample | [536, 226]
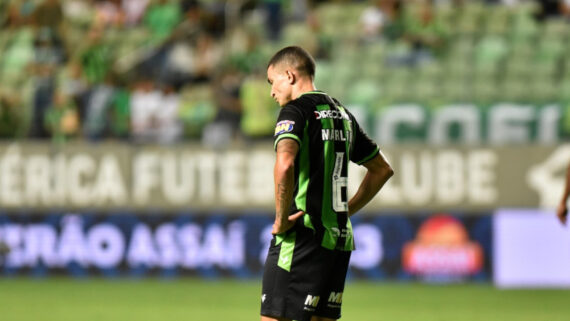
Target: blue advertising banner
[431, 247]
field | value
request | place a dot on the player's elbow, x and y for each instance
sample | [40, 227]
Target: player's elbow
[284, 167]
[387, 170]
[380, 167]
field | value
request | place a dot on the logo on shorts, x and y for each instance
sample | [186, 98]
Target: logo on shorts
[335, 298]
[284, 126]
[263, 297]
[311, 302]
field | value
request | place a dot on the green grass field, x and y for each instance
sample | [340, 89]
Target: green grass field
[62, 299]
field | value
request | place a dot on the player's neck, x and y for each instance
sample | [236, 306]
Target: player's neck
[303, 87]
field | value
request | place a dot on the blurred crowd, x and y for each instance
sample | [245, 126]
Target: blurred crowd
[165, 71]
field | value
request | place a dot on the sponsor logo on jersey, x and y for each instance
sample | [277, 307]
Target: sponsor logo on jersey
[335, 135]
[331, 114]
[337, 233]
[284, 126]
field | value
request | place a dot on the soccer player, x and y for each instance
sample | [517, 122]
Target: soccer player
[562, 210]
[315, 137]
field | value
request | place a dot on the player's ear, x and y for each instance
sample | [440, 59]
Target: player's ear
[291, 77]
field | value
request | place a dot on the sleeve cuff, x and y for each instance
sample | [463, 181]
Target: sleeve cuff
[369, 157]
[292, 136]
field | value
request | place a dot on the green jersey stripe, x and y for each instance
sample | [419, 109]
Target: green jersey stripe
[304, 168]
[286, 252]
[328, 215]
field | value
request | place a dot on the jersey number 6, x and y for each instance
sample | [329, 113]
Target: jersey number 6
[338, 183]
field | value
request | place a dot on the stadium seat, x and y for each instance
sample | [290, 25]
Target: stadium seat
[490, 50]
[497, 20]
[459, 68]
[425, 90]
[301, 35]
[523, 26]
[515, 90]
[555, 27]
[484, 90]
[364, 93]
[544, 90]
[518, 67]
[550, 49]
[454, 90]
[469, 19]
[431, 70]
[564, 90]
[462, 48]
[545, 69]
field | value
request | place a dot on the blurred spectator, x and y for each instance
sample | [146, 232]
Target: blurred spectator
[48, 53]
[207, 55]
[169, 127]
[20, 12]
[424, 32]
[119, 114]
[108, 13]
[259, 109]
[62, 119]
[565, 8]
[549, 9]
[17, 55]
[325, 41]
[179, 64]
[154, 113]
[226, 124]
[381, 19]
[9, 114]
[161, 18]
[373, 18]
[192, 20]
[79, 13]
[196, 109]
[72, 83]
[49, 15]
[179, 53]
[299, 10]
[95, 58]
[246, 55]
[48, 57]
[273, 19]
[96, 123]
[145, 104]
[134, 11]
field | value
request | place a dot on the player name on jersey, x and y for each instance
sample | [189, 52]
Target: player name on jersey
[335, 134]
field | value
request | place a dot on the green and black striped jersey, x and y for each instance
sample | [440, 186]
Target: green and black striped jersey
[328, 136]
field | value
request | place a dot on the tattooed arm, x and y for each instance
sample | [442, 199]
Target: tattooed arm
[284, 176]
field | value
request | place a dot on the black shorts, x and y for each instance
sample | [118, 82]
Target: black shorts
[301, 278]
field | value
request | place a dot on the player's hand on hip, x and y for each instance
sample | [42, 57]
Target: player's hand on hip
[282, 227]
[562, 213]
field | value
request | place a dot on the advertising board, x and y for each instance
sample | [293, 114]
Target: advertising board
[122, 177]
[530, 249]
[432, 247]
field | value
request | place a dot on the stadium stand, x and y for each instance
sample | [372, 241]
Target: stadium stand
[69, 69]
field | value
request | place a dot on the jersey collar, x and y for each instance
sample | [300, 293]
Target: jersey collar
[314, 92]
